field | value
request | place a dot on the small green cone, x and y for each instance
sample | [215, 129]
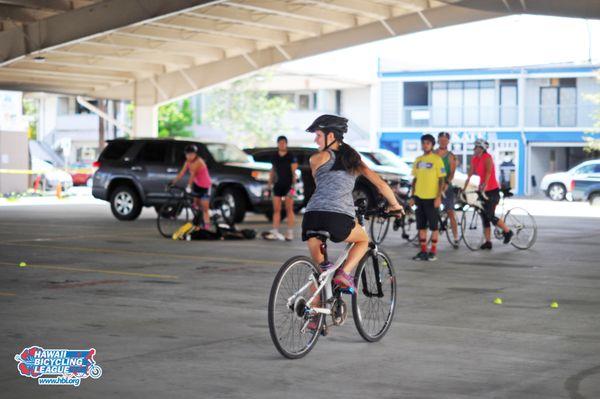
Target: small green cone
[554, 305]
[22, 264]
[498, 301]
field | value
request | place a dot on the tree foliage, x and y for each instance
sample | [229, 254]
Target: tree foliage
[248, 115]
[174, 119]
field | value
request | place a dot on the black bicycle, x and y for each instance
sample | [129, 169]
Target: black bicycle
[300, 282]
[179, 210]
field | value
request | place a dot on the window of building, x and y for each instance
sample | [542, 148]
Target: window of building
[463, 103]
[558, 103]
[508, 102]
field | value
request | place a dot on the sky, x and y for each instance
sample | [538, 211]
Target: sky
[508, 41]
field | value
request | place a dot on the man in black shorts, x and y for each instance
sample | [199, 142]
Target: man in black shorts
[429, 178]
[282, 180]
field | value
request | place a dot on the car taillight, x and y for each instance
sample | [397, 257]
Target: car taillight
[96, 164]
[572, 188]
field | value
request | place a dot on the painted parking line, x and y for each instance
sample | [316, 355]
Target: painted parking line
[142, 253]
[101, 271]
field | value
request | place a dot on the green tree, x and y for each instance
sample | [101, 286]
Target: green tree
[175, 119]
[248, 115]
[30, 110]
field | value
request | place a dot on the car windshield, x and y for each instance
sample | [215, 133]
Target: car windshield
[223, 153]
[388, 159]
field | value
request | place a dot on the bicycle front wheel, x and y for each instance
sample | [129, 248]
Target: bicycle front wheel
[171, 217]
[379, 227]
[472, 228]
[523, 226]
[287, 302]
[374, 303]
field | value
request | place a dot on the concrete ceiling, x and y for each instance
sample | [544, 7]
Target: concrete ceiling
[154, 51]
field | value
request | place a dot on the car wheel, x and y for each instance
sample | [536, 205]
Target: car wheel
[237, 201]
[125, 203]
[557, 192]
[595, 200]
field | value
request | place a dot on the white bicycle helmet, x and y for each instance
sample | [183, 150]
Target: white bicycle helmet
[482, 143]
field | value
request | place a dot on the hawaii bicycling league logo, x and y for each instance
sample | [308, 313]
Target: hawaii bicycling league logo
[68, 367]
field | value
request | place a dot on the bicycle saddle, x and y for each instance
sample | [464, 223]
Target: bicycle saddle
[320, 234]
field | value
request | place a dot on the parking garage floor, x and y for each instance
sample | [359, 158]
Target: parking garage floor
[188, 319]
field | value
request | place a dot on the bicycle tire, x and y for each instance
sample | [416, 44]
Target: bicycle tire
[519, 226]
[273, 307]
[171, 216]
[366, 284]
[378, 228]
[472, 228]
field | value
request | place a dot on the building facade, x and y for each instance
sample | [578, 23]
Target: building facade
[534, 118]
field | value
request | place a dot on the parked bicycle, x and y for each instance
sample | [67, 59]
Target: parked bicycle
[299, 282]
[179, 210]
[521, 222]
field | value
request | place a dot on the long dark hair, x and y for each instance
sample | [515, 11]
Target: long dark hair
[350, 158]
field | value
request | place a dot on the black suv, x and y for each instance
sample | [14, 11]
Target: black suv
[134, 173]
[363, 188]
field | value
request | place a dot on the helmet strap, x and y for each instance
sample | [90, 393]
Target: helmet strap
[330, 144]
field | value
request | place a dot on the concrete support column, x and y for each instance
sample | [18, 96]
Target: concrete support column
[374, 113]
[145, 121]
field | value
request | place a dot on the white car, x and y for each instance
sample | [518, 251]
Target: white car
[557, 186]
[51, 175]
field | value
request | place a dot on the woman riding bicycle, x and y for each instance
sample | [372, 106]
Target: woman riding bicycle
[331, 208]
[199, 182]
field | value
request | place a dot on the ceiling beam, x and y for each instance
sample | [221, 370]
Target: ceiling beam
[247, 17]
[174, 35]
[58, 5]
[364, 8]
[36, 67]
[11, 77]
[138, 43]
[122, 54]
[101, 63]
[85, 22]
[220, 28]
[22, 14]
[296, 11]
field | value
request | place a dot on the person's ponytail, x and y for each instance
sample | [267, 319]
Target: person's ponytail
[350, 158]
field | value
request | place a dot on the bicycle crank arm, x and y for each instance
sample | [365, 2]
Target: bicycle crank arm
[320, 310]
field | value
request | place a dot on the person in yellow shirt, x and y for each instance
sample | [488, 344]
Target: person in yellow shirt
[429, 178]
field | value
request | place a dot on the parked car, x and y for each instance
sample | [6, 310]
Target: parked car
[362, 189]
[134, 173]
[586, 187]
[81, 174]
[51, 175]
[557, 186]
[385, 157]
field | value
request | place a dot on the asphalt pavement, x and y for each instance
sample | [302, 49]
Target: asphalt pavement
[188, 319]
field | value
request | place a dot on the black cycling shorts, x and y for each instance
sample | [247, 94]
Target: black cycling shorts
[338, 225]
[427, 214]
[489, 207]
[200, 192]
[281, 189]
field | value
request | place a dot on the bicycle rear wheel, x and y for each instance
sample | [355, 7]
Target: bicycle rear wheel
[172, 216]
[472, 228]
[378, 227]
[410, 233]
[286, 317]
[523, 226]
[374, 303]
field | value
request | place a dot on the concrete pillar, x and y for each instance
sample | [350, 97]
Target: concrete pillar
[145, 121]
[374, 113]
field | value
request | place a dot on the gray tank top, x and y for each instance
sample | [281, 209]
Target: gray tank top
[334, 189]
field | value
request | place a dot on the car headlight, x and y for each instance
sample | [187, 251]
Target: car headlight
[260, 175]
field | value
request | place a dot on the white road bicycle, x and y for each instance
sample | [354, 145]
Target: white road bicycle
[300, 282]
